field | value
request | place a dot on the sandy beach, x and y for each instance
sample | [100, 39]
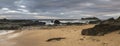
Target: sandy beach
[71, 34]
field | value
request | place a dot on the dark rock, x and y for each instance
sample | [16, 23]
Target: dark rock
[108, 21]
[57, 22]
[90, 18]
[94, 22]
[10, 27]
[56, 39]
[34, 24]
[104, 27]
[105, 44]
[76, 23]
[119, 33]
[100, 29]
[81, 39]
[13, 24]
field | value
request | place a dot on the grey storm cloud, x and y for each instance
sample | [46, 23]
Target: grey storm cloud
[60, 8]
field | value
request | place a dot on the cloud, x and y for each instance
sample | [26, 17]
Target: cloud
[45, 17]
[2, 17]
[116, 15]
[59, 8]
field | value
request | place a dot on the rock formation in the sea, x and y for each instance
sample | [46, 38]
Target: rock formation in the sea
[92, 20]
[104, 27]
[56, 22]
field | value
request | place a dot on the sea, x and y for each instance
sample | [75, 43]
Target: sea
[48, 21]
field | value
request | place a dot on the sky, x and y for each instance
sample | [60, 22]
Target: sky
[59, 9]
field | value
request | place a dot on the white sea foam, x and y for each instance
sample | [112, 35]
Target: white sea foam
[4, 32]
[9, 34]
[4, 41]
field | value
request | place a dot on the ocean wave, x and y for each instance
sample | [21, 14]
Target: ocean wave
[4, 32]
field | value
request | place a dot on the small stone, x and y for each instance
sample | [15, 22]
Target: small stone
[119, 33]
[81, 39]
[56, 39]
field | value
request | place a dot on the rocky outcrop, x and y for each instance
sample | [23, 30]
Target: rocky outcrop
[10, 27]
[90, 18]
[72, 23]
[104, 27]
[6, 24]
[108, 21]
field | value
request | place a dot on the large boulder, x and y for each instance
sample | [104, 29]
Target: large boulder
[108, 21]
[104, 27]
[100, 29]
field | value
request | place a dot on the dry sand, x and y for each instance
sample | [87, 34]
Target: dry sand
[38, 37]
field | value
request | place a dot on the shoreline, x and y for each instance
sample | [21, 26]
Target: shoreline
[61, 36]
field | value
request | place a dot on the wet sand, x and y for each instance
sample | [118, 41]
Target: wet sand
[39, 37]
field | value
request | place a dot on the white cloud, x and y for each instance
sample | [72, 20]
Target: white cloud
[87, 4]
[7, 10]
[84, 5]
[45, 17]
[19, 4]
[60, 8]
[4, 9]
[20, 11]
[23, 10]
[1, 17]
[32, 13]
[113, 15]
[22, 6]
[62, 13]
[12, 11]
[106, 0]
